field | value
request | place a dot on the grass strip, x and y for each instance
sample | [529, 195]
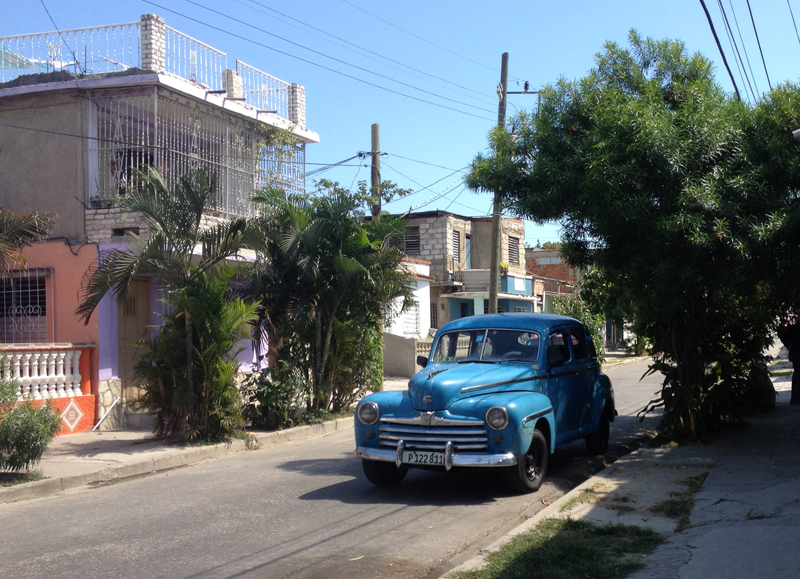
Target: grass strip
[567, 549]
[681, 504]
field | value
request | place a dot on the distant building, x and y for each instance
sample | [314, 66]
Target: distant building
[81, 110]
[459, 250]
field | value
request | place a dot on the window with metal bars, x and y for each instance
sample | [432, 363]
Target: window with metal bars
[434, 317]
[23, 306]
[456, 246]
[513, 250]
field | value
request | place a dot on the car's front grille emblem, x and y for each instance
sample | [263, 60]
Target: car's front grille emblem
[427, 400]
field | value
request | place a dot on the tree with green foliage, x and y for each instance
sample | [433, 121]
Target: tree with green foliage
[325, 277]
[684, 197]
[573, 306]
[184, 255]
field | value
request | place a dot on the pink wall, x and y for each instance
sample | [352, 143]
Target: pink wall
[69, 266]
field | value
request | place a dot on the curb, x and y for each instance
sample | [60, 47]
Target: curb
[182, 457]
[549, 512]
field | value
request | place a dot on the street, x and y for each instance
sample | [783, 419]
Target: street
[300, 510]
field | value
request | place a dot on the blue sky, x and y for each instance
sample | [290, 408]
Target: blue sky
[448, 49]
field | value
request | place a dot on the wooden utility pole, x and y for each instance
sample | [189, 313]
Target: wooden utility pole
[376, 172]
[494, 266]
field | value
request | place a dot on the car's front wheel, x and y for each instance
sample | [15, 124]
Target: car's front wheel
[528, 474]
[383, 474]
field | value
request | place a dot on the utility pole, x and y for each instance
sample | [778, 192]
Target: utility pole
[376, 172]
[494, 267]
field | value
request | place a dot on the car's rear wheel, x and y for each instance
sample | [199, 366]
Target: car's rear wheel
[383, 474]
[529, 472]
[597, 441]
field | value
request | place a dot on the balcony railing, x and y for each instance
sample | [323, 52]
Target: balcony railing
[43, 371]
[262, 91]
[193, 60]
[99, 49]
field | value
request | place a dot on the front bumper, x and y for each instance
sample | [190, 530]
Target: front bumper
[451, 458]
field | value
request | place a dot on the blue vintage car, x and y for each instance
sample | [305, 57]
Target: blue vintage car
[499, 390]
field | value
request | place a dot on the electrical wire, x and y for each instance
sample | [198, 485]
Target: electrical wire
[737, 56]
[312, 63]
[361, 48]
[719, 47]
[744, 47]
[423, 162]
[337, 60]
[419, 37]
[61, 36]
[793, 21]
[759, 44]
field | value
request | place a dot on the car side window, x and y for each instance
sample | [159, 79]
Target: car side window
[591, 348]
[578, 343]
[557, 348]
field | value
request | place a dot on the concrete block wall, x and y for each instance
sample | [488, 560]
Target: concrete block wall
[297, 105]
[232, 83]
[153, 43]
[101, 223]
[561, 270]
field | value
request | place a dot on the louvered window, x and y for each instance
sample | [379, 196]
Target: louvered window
[513, 250]
[411, 241]
[457, 246]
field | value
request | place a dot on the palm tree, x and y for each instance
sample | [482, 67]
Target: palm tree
[18, 231]
[320, 269]
[181, 251]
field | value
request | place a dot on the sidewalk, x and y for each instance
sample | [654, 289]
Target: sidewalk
[745, 519]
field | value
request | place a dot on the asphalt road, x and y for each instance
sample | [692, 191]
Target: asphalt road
[302, 510]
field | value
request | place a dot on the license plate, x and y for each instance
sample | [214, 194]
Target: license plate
[423, 457]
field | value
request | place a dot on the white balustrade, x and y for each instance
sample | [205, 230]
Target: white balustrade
[49, 371]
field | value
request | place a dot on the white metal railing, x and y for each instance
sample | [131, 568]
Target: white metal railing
[81, 50]
[193, 60]
[43, 371]
[262, 91]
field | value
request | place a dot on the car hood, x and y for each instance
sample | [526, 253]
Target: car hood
[437, 386]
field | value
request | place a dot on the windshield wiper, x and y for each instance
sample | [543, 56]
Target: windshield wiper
[517, 360]
[477, 361]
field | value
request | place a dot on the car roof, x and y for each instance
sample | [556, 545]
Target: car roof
[517, 321]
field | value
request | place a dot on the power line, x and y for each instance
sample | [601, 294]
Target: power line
[419, 37]
[423, 162]
[793, 22]
[312, 63]
[759, 44]
[338, 60]
[363, 49]
[737, 56]
[744, 47]
[74, 57]
[719, 46]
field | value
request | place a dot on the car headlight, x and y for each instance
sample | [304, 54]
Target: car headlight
[497, 417]
[368, 413]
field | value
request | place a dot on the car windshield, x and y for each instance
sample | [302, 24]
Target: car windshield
[485, 345]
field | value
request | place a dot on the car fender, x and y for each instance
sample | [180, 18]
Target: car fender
[525, 410]
[602, 400]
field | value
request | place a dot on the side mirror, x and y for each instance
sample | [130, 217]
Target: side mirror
[422, 361]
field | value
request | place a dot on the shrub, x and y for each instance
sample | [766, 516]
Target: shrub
[25, 430]
[273, 401]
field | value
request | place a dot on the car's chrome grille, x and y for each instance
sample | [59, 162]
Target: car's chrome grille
[428, 433]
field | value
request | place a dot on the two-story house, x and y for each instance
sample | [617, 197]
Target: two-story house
[80, 111]
[459, 249]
